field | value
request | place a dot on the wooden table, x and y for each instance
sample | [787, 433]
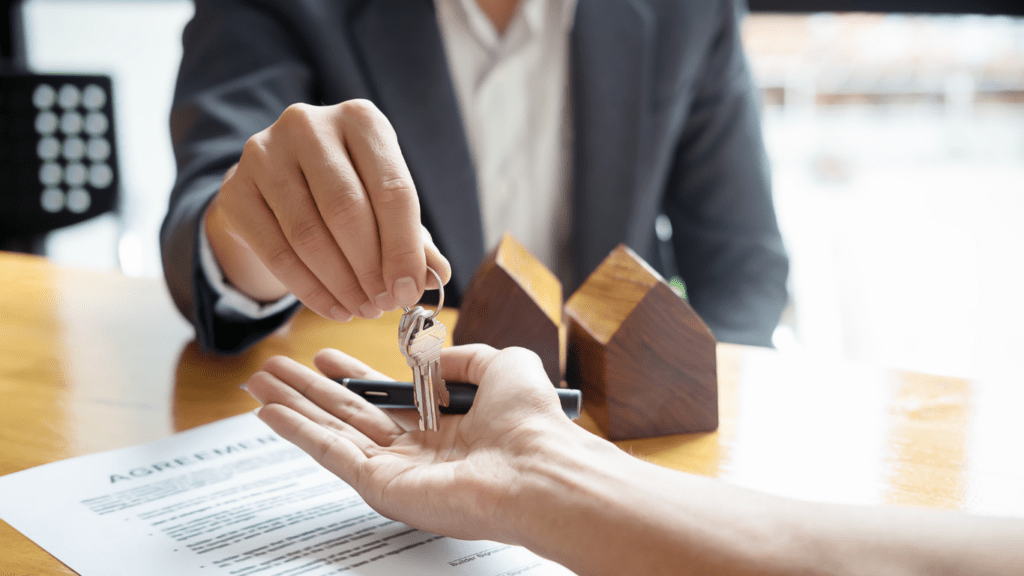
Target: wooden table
[93, 361]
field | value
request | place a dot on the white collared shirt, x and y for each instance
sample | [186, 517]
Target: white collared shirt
[513, 93]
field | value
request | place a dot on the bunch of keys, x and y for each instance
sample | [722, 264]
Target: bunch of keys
[420, 337]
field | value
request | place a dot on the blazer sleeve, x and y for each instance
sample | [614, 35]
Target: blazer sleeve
[726, 239]
[240, 69]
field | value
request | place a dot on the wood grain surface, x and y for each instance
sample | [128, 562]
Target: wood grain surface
[643, 358]
[514, 300]
[93, 361]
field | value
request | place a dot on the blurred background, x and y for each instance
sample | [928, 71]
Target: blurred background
[897, 149]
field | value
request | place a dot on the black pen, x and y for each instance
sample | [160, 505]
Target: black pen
[388, 394]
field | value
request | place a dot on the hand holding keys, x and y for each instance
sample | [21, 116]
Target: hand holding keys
[420, 338]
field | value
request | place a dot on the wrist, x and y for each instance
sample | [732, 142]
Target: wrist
[583, 502]
[564, 477]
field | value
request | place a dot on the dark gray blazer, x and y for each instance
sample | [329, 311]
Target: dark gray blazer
[665, 120]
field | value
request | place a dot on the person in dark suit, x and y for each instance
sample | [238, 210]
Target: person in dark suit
[328, 152]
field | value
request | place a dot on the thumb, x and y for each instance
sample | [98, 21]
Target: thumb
[467, 363]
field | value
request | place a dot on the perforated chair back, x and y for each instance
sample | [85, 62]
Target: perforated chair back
[58, 161]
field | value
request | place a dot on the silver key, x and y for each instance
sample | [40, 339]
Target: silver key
[421, 337]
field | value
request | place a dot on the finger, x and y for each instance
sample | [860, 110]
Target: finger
[332, 449]
[373, 148]
[335, 401]
[269, 389]
[336, 364]
[436, 261]
[288, 195]
[346, 211]
[260, 229]
[316, 247]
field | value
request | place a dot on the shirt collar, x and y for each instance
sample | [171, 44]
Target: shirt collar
[535, 11]
[532, 12]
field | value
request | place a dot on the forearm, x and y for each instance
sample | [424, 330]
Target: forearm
[597, 510]
[902, 541]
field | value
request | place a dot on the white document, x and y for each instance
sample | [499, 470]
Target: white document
[229, 498]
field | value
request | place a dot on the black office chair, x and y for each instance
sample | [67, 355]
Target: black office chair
[58, 161]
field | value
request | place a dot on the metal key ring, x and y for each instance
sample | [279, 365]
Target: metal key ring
[440, 298]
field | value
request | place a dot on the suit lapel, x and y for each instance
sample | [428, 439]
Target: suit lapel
[405, 60]
[610, 63]
[611, 56]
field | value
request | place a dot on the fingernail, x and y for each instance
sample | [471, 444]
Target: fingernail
[243, 387]
[405, 292]
[384, 301]
[256, 411]
[340, 314]
[369, 311]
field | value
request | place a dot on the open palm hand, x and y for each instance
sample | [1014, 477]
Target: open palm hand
[455, 481]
